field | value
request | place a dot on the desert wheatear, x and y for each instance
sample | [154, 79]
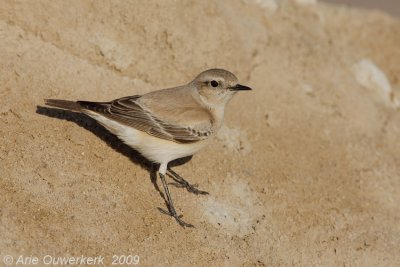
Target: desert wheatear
[167, 124]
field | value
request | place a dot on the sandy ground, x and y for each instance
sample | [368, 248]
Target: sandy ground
[305, 172]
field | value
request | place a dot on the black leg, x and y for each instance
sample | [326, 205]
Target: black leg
[170, 205]
[180, 182]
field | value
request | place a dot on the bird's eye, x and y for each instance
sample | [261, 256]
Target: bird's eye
[214, 83]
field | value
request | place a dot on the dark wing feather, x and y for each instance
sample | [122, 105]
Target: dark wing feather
[129, 112]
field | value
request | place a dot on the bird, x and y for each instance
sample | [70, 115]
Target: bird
[166, 124]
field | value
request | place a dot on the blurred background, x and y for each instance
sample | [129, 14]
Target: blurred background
[389, 6]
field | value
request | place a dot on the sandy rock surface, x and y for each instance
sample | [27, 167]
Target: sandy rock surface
[306, 170]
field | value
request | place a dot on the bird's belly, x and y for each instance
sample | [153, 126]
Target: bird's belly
[153, 148]
[160, 150]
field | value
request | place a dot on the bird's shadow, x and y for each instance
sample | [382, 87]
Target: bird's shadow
[111, 140]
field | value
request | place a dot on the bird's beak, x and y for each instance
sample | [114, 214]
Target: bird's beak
[239, 87]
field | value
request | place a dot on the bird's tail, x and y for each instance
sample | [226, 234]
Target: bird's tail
[64, 104]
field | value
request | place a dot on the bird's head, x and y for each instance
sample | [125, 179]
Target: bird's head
[217, 86]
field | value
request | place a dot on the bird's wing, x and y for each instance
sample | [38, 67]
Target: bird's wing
[196, 126]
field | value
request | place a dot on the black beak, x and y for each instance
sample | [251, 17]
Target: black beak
[239, 87]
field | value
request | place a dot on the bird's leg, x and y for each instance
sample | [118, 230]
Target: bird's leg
[180, 182]
[170, 204]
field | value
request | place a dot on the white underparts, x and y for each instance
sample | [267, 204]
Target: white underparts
[153, 148]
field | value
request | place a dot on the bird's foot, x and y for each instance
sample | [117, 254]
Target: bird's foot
[176, 216]
[171, 209]
[182, 183]
[192, 188]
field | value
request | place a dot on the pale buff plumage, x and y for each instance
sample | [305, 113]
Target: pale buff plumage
[167, 124]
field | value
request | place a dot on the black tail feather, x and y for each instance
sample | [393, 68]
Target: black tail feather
[76, 105]
[64, 104]
[94, 106]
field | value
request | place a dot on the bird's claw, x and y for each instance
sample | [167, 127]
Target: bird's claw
[192, 188]
[177, 218]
